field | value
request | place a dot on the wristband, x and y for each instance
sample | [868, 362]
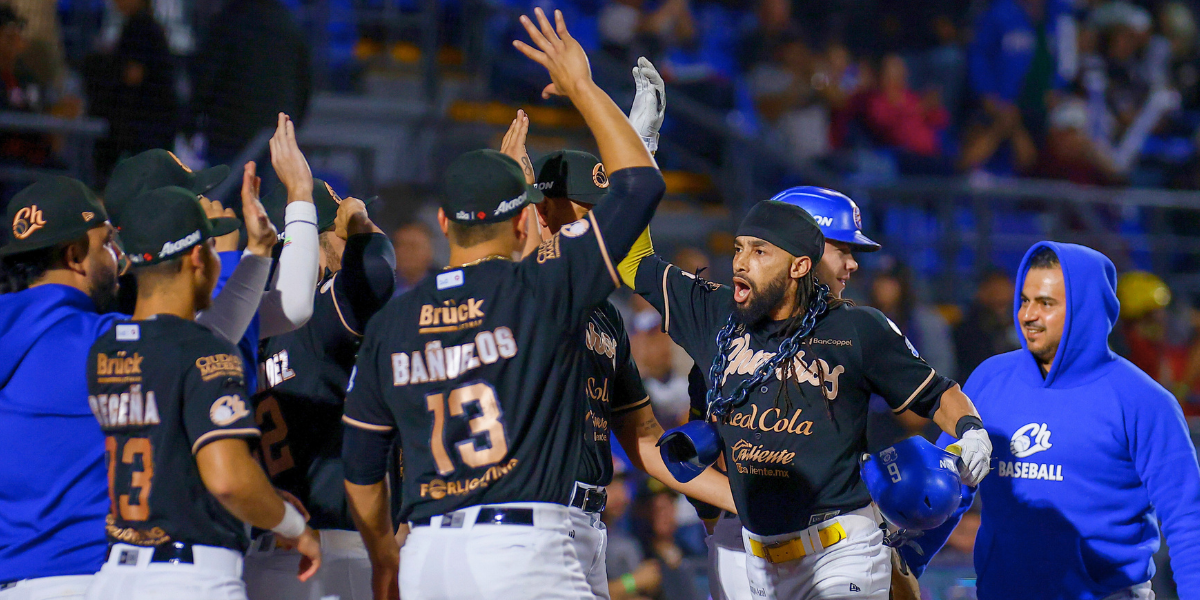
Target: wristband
[651, 142]
[966, 424]
[292, 525]
[629, 583]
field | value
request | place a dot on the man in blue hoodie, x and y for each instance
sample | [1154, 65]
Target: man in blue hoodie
[1092, 453]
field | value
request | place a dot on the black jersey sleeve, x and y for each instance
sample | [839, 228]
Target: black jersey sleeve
[366, 280]
[693, 309]
[893, 368]
[629, 393]
[215, 403]
[577, 268]
[365, 407]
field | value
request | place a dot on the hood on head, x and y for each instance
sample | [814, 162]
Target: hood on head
[1092, 308]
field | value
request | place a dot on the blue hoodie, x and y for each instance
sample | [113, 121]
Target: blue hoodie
[54, 494]
[1086, 461]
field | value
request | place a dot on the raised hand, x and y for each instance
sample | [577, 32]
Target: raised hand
[556, 50]
[290, 164]
[352, 219]
[513, 145]
[214, 210]
[649, 102]
[260, 233]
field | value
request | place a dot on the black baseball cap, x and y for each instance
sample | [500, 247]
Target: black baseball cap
[485, 186]
[154, 169]
[325, 198]
[170, 222]
[51, 211]
[572, 174]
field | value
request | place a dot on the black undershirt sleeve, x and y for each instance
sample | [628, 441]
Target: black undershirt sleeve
[365, 454]
[367, 278]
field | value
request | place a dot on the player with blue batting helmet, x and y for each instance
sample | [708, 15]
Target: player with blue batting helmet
[841, 222]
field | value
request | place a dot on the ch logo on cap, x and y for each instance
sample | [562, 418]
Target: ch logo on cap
[185, 167]
[27, 220]
[599, 177]
[333, 194]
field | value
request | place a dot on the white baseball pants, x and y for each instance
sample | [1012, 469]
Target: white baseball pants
[345, 572]
[216, 574]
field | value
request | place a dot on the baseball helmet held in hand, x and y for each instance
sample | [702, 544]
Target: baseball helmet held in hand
[836, 214]
[914, 483]
[689, 449]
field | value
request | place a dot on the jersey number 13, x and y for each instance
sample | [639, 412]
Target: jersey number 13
[486, 444]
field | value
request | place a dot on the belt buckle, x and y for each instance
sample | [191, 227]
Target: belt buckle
[784, 551]
[600, 497]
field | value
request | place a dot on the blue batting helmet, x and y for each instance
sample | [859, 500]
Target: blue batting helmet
[689, 449]
[914, 483]
[835, 213]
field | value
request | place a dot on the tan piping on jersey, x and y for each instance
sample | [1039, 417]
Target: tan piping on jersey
[666, 301]
[223, 433]
[914, 394]
[631, 407]
[338, 307]
[367, 426]
[604, 251]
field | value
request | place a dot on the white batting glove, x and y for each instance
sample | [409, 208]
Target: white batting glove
[975, 449]
[649, 103]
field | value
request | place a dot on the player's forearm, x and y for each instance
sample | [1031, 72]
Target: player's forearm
[620, 145]
[288, 304]
[370, 507]
[234, 307]
[233, 477]
[954, 405]
[640, 431]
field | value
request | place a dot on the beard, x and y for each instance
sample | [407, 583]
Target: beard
[102, 289]
[761, 302]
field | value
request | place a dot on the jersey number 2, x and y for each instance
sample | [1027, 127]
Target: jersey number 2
[475, 452]
[138, 480]
[276, 452]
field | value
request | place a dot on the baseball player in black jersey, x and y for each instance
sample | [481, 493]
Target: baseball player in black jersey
[792, 369]
[171, 397]
[475, 369]
[573, 182]
[303, 376]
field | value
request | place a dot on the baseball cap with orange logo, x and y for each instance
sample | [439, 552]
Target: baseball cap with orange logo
[54, 210]
[155, 169]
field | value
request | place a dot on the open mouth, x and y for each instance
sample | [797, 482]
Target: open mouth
[741, 290]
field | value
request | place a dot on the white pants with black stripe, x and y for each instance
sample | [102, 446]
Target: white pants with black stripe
[727, 560]
[858, 567]
[591, 545]
[494, 562]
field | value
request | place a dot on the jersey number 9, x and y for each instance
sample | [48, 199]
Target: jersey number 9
[486, 444]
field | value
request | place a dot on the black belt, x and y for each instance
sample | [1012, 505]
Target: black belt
[488, 515]
[589, 499]
[173, 552]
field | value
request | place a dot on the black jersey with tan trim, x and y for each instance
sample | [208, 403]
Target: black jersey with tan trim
[612, 386]
[469, 369]
[303, 376]
[794, 446]
[162, 389]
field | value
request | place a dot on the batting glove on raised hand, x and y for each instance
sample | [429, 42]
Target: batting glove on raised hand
[649, 103]
[975, 450]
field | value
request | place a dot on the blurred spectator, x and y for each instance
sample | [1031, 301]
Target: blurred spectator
[791, 106]
[1069, 153]
[1144, 325]
[896, 116]
[44, 54]
[771, 23]
[631, 575]
[133, 87]
[1178, 24]
[656, 526]
[21, 93]
[627, 31]
[652, 351]
[413, 242]
[692, 260]
[1022, 50]
[892, 293]
[987, 328]
[253, 65]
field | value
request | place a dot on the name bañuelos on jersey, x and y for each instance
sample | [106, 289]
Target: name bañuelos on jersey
[797, 439]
